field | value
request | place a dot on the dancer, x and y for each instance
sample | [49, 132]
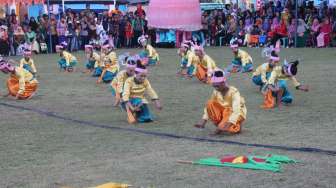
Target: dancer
[133, 97]
[226, 108]
[27, 62]
[92, 57]
[205, 66]
[242, 60]
[110, 64]
[276, 90]
[188, 60]
[67, 61]
[263, 72]
[21, 84]
[148, 51]
[118, 82]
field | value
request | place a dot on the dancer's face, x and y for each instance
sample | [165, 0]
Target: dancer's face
[140, 77]
[199, 53]
[130, 71]
[221, 87]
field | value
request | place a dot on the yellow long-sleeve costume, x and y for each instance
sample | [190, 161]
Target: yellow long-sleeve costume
[135, 90]
[30, 63]
[205, 67]
[277, 75]
[113, 66]
[244, 57]
[262, 70]
[69, 58]
[279, 80]
[152, 53]
[193, 61]
[95, 57]
[229, 108]
[22, 82]
[119, 81]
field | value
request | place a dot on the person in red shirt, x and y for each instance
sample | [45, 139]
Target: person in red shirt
[139, 11]
[280, 32]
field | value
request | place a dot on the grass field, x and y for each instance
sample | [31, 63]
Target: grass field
[40, 151]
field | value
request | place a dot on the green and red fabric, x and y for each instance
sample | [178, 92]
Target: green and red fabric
[268, 162]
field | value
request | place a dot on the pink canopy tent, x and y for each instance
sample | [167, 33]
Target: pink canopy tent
[184, 15]
[4, 2]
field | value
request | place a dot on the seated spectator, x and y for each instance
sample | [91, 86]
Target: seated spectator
[31, 40]
[4, 50]
[325, 30]
[314, 31]
[19, 38]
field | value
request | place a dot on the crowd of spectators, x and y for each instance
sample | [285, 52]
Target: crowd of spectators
[313, 27]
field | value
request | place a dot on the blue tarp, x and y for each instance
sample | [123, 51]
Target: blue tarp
[35, 10]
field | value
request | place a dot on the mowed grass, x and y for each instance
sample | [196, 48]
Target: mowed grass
[42, 151]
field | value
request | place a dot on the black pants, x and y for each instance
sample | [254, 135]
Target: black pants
[54, 42]
[4, 50]
[137, 34]
[275, 38]
[84, 41]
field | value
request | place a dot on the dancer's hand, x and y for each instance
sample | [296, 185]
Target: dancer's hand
[225, 127]
[200, 124]
[130, 106]
[217, 132]
[17, 96]
[304, 88]
[158, 104]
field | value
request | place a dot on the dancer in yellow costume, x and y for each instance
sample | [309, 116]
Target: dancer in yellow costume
[148, 51]
[133, 96]
[27, 62]
[205, 66]
[226, 107]
[21, 84]
[118, 82]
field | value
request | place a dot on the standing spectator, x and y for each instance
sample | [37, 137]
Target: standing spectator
[314, 31]
[122, 27]
[139, 11]
[53, 32]
[138, 27]
[114, 30]
[84, 32]
[19, 38]
[4, 50]
[61, 30]
[205, 27]
[31, 40]
[128, 33]
[92, 30]
[326, 31]
[33, 24]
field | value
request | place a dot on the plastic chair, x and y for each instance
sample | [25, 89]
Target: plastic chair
[254, 39]
[262, 39]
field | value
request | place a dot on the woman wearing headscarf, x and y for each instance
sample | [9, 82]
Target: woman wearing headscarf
[314, 31]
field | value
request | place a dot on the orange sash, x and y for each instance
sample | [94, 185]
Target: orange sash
[269, 100]
[201, 72]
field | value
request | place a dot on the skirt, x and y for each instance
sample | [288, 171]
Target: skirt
[13, 88]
